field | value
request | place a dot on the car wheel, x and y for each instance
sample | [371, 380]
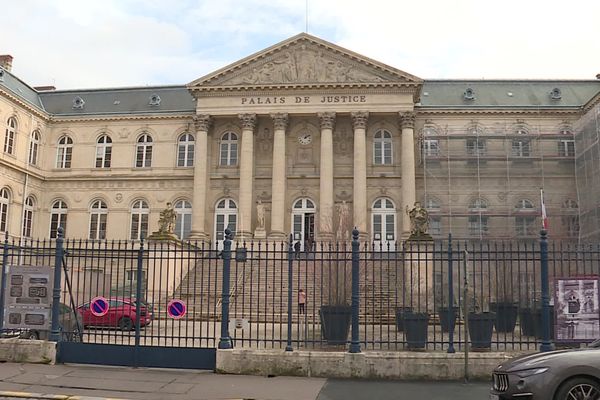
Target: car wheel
[31, 335]
[125, 324]
[578, 388]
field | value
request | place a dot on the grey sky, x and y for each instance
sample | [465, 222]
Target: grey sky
[80, 44]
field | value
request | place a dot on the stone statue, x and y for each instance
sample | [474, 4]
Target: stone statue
[419, 222]
[343, 231]
[260, 215]
[166, 222]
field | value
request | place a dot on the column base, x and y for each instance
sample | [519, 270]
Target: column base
[260, 233]
[241, 236]
[198, 236]
[325, 237]
[277, 236]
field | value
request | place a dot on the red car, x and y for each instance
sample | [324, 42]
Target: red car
[121, 313]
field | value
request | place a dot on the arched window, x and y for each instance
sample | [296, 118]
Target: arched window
[303, 221]
[58, 217]
[435, 221]
[478, 224]
[64, 152]
[384, 223]
[28, 217]
[139, 220]
[525, 222]
[103, 151]
[225, 217]
[183, 222]
[185, 151]
[34, 145]
[521, 146]
[98, 216]
[566, 144]
[9, 137]
[4, 204]
[382, 148]
[143, 154]
[229, 145]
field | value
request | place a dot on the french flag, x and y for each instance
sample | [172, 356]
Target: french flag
[544, 215]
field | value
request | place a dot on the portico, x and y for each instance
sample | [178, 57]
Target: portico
[292, 106]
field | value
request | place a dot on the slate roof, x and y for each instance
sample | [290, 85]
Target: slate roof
[436, 94]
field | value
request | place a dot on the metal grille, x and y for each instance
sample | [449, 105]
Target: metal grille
[500, 382]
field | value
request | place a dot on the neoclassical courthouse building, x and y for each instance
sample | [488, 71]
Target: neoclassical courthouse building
[303, 137]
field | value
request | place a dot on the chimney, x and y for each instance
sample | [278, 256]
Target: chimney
[6, 62]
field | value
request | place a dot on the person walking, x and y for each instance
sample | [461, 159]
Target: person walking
[297, 249]
[301, 301]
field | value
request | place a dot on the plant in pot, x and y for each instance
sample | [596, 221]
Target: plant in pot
[481, 327]
[504, 307]
[336, 313]
[448, 317]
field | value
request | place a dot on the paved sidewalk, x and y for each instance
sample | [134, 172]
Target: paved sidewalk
[151, 384]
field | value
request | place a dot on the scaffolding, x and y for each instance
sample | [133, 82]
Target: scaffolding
[482, 182]
[587, 162]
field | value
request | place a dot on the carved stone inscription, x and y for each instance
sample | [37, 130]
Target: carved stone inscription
[303, 99]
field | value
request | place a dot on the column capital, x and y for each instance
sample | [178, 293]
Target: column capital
[280, 120]
[359, 119]
[202, 122]
[248, 121]
[327, 120]
[407, 119]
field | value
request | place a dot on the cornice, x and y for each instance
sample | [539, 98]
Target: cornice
[123, 117]
[426, 112]
[26, 105]
[36, 173]
[410, 87]
[590, 104]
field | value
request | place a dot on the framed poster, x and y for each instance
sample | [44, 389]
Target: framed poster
[577, 311]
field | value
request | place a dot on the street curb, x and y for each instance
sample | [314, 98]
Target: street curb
[25, 395]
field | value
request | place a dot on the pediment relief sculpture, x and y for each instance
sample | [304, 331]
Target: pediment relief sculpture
[304, 65]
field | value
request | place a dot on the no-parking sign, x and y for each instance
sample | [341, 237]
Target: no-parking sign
[176, 309]
[99, 306]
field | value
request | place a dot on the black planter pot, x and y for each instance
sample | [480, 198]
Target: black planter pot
[481, 327]
[537, 322]
[401, 312]
[506, 316]
[526, 321]
[445, 322]
[415, 327]
[335, 323]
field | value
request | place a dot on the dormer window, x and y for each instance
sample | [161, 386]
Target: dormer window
[1, 75]
[154, 100]
[556, 94]
[78, 103]
[469, 94]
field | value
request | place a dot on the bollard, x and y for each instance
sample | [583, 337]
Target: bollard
[546, 344]
[225, 340]
[288, 347]
[58, 257]
[354, 343]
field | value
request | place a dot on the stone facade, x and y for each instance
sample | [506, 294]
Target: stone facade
[304, 137]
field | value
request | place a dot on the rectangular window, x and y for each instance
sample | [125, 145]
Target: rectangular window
[478, 225]
[103, 156]
[57, 220]
[181, 156]
[566, 148]
[33, 149]
[98, 226]
[389, 227]
[183, 225]
[27, 222]
[435, 225]
[476, 147]
[377, 227]
[520, 148]
[220, 226]
[9, 142]
[524, 226]
[431, 147]
[377, 156]
[3, 217]
[387, 153]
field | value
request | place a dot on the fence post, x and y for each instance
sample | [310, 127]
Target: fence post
[3, 283]
[225, 340]
[58, 257]
[466, 313]
[546, 344]
[355, 344]
[138, 295]
[451, 315]
[289, 311]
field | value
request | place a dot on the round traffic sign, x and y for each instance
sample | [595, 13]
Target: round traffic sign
[176, 309]
[99, 306]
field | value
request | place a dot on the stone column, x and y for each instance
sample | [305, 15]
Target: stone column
[359, 122]
[202, 124]
[407, 122]
[246, 176]
[278, 190]
[327, 120]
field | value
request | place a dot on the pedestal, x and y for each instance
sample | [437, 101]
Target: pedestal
[418, 275]
[260, 233]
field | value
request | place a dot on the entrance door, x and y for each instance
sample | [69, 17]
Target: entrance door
[384, 224]
[303, 221]
[225, 217]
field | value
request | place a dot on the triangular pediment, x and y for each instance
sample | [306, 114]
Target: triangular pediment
[304, 60]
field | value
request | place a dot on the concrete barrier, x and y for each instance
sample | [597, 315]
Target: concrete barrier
[367, 365]
[27, 351]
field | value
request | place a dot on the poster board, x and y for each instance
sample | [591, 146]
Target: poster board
[577, 310]
[28, 298]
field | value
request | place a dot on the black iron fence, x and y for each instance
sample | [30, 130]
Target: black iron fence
[413, 295]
